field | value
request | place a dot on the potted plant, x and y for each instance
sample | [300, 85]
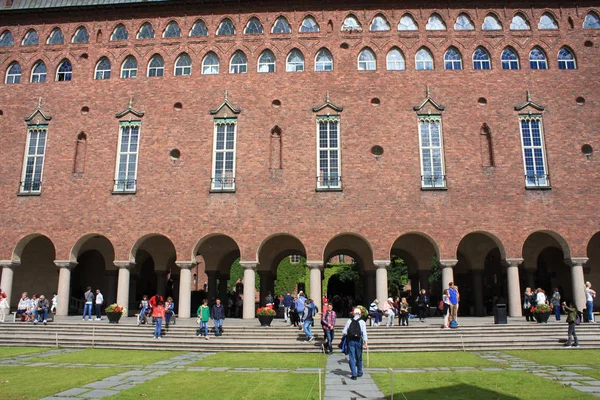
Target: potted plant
[114, 312]
[541, 312]
[265, 316]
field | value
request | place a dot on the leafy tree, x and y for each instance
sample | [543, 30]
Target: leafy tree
[436, 272]
[397, 276]
[288, 275]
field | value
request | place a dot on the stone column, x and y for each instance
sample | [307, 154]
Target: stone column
[381, 279]
[447, 267]
[185, 289]
[478, 293]
[64, 286]
[249, 289]
[315, 281]
[212, 284]
[515, 307]
[6, 281]
[578, 280]
[123, 286]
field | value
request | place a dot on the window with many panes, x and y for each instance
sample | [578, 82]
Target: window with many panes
[537, 59]
[13, 73]
[309, 24]
[156, 66]
[33, 165]
[120, 33]
[395, 60]
[199, 29]
[431, 152]
[379, 23]
[295, 258]
[31, 38]
[226, 28]
[566, 59]
[534, 155]
[64, 71]
[102, 69]
[295, 61]
[254, 27]
[56, 37]
[127, 156]
[172, 30]
[38, 72]
[183, 65]
[323, 61]
[281, 25]
[481, 59]
[223, 173]
[452, 59]
[146, 32]
[129, 68]
[366, 60]
[328, 153]
[423, 60]
[238, 63]
[266, 62]
[6, 39]
[81, 35]
[210, 64]
[509, 58]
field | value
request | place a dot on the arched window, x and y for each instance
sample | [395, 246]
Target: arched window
[56, 37]
[592, 21]
[309, 24]
[491, 23]
[81, 35]
[366, 60]
[407, 23]
[463, 23]
[238, 63]
[199, 29]
[481, 59]
[435, 23]
[129, 68]
[281, 25]
[452, 59]
[295, 61]
[351, 24]
[210, 64]
[64, 71]
[6, 39]
[183, 65]
[266, 62]
[226, 28]
[323, 61]
[120, 33]
[13, 73]
[395, 60]
[146, 31]
[38, 72]
[566, 59]
[547, 21]
[379, 23]
[423, 60]
[509, 58]
[31, 38]
[519, 23]
[102, 69]
[156, 66]
[537, 59]
[172, 30]
[254, 27]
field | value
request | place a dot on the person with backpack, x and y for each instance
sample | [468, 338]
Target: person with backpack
[307, 320]
[355, 331]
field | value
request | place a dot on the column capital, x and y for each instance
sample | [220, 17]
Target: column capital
[576, 261]
[448, 263]
[65, 264]
[184, 264]
[249, 264]
[124, 264]
[314, 264]
[513, 262]
[381, 264]
[9, 263]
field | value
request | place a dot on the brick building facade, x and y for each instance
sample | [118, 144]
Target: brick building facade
[160, 133]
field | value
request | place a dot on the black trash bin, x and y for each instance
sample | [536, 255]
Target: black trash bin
[500, 316]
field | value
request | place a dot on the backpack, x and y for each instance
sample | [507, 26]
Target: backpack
[354, 332]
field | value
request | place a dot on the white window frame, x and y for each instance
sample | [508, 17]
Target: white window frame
[131, 72]
[39, 77]
[324, 178]
[533, 178]
[265, 67]
[293, 66]
[31, 186]
[102, 74]
[182, 70]
[126, 186]
[367, 64]
[401, 64]
[430, 179]
[217, 184]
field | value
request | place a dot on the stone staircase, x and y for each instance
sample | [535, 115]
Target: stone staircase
[252, 338]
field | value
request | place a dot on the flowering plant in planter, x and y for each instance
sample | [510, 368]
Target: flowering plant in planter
[541, 308]
[363, 311]
[116, 309]
[266, 311]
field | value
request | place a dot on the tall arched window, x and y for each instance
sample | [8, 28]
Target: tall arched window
[156, 66]
[351, 24]
[395, 60]
[481, 59]
[210, 64]
[323, 61]
[566, 59]
[537, 59]
[491, 23]
[509, 58]
[172, 30]
[226, 28]
[238, 63]
[13, 73]
[281, 25]
[199, 29]
[38, 72]
[379, 23]
[56, 37]
[81, 35]
[592, 21]
[120, 33]
[146, 31]
[31, 38]
[129, 68]
[463, 23]
[367, 60]
[423, 60]
[407, 23]
[435, 23]
[64, 71]
[102, 69]
[183, 65]
[547, 21]
[266, 62]
[309, 24]
[6, 39]
[452, 59]
[295, 61]
[254, 27]
[519, 23]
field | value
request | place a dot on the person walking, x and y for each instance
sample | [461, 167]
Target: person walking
[589, 301]
[54, 303]
[556, 304]
[328, 320]
[158, 314]
[288, 300]
[300, 307]
[571, 311]
[4, 307]
[204, 315]
[99, 302]
[423, 304]
[307, 320]
[355, 331]
[454, 299]
[446, 309]
[218, 315]
[89, 300]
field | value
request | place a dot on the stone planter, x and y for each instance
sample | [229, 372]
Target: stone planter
[265, 320]
[542, 317]
[113, 317]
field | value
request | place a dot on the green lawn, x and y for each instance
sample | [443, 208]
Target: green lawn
[227, 385]
[103, 356]
[17, 351]
[263, 360]
[559, 357]
[29, 383]
[424, 360]
[506, 385]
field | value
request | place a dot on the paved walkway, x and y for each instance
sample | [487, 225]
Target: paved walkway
[339, 386]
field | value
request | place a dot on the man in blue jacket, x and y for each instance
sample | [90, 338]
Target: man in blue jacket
[300, 307]
[287, 303]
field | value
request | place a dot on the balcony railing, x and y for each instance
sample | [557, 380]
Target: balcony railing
[125, 185]
[329, 182]
[433, 181]
[223, 184]
[30, 187]
[541, 181]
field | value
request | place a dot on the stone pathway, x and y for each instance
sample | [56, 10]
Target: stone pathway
[338, 384]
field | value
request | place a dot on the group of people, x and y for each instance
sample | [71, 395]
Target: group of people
[91, 300]
[397, 308]
[34, 309]
[206, 313]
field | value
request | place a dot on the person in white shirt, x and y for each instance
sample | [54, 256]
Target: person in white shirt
[99, 302]
[589, 301]
[355, 331]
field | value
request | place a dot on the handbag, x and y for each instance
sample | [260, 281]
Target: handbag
[198, 320]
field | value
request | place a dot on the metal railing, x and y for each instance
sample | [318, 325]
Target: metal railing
[223, 184]
[30, 186]
[329, 182]
[433, 181]
[125, 185]
[537, 180]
